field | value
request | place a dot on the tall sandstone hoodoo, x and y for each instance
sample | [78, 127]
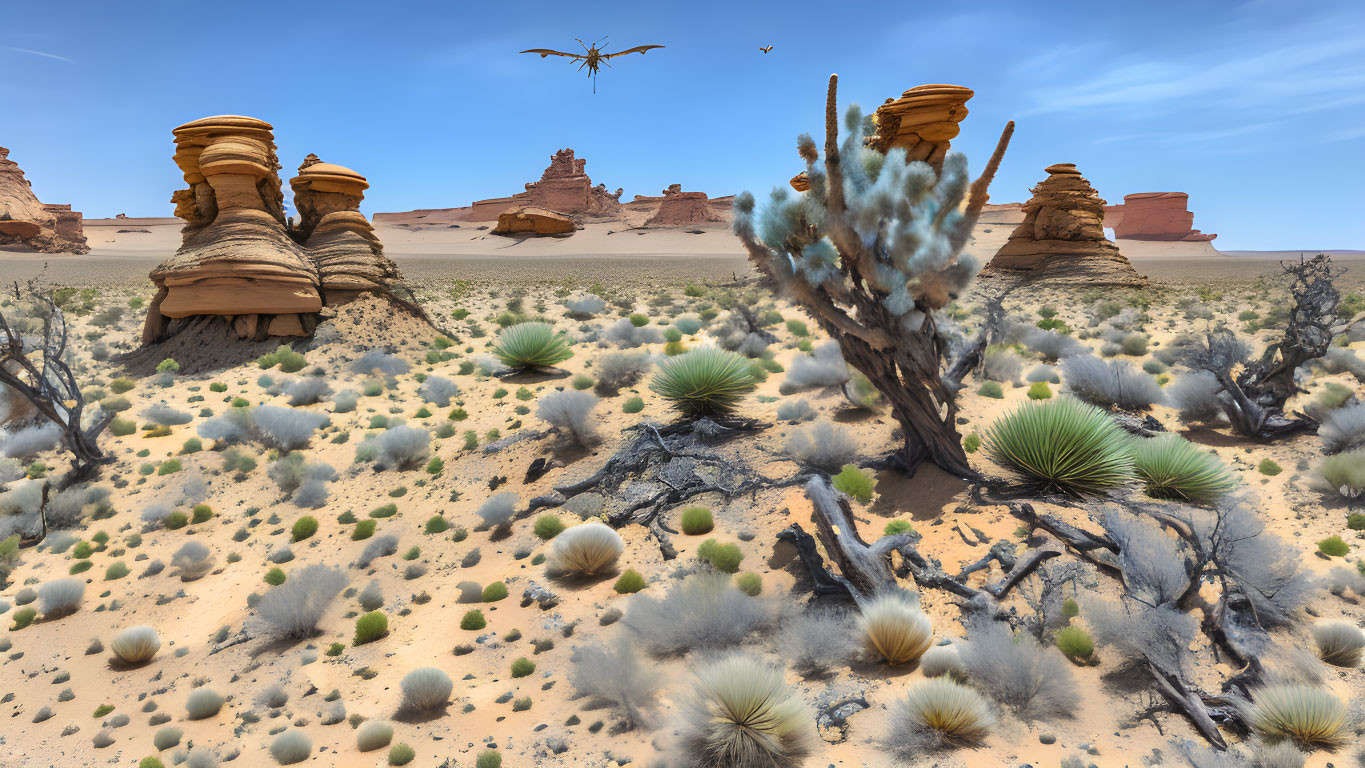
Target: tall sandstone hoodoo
[1161, 216]
[24, 221]
[683, 209]
[1062, 237]
[240, 259]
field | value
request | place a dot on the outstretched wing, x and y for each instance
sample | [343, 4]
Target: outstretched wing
[547, 52]
[636, 49]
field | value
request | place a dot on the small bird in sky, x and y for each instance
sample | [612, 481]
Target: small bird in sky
[765, 49]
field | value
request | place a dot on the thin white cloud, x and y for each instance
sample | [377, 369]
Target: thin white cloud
[32, 52]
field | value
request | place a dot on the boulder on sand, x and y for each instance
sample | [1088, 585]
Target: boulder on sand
[533, 221]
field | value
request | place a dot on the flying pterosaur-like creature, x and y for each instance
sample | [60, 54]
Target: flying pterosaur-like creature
[592, 56]
[765, 49]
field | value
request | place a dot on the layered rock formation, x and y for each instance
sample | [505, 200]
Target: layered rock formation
[25, 221]
[239, 258]
[563, 188]
[1062, 236]
[681, 209]
[923, 122]
[1162, 216]
[533, 221]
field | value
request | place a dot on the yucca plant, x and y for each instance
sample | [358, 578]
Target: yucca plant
[894, 627]
[531, 345]
[705, 381]
[935, 714]
[1063, 445]
[744, 715]
[1172, 467]
[1304, 714]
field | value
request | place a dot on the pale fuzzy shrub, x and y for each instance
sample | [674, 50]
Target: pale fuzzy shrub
[615, 675]
[345, 401]
[587, 549]
[203, 703]
[616, 370]
[438, 390]
[1343, 429]
[570, 412]
[894, 628]
[585, 306]
[1339, 644]
[426, 689]
[1305, 715]
[379, 546]
[164, 415]
[823, 367]
[135, 645]
[377, 360]
[372, 735]
[31, 441]
[702, 613]
[1195, 397]
[403, 447]
[1042, 373]
[795, 411]
[61, 597]
[822, 446]
[1034, 681]
[194, 561]
[1001, 364]
[817, 641]
[498, 509]
[1112, 384]
[292, 746]
[306, 391]
[624, 334]
[742, 714]
[941, 661]
[371, 598]
[294, 608]
[935, 715]
[285, 428]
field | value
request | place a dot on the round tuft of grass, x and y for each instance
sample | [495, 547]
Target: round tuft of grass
[531, 345]
[703, 382]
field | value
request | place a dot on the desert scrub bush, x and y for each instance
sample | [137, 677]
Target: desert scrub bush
[629, 583]
[303, 482]
[294, 608]
[290, 747]
[796, 411]
[855, 483]
[725, 558]
[569, 413]
[1063, 445]
[370, 627]
[122, 427]
[372, 735]
[163, 415]
[1195, 397]
[531, 345]
[135, 645]
[547, 527]
[1074, 642]
[817, 641]
[742, 714]
[303, 528]
[380, 547]
[705, 381]
[275, 577]
[1333, 546]
[523, 667]
[203, 703]
[61, 597]
[488, 759]
[1308, 716]
[942, 661]
[193, 561]
[616, 676]
[936, 715]
[1339, 643]
[1171, 467]
[401, 447]
[1343, 429]
[704, 612]
[286, 358]
[494, 592]
[1268, 467]
[633, 405]
[893, 627]
[1032, 680]
[626, 334]
[1039, 390]
[401, 754]
[587, 549]
[1345, 473]
[426, 689]
[823, 446]
[695, 521]
[1113, 384]
[823, 367]
[438, 390]
[991, 389]
[497, 511]
[1001, 364]
[364, 529]
[617, 370]
[473, 620]
[22, 618]
[749, 583]
[306, 391]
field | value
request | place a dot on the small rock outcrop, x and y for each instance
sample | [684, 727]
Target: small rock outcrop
[1062, 236]
[681, 209]
[923, 122]
[1161, 216]
[48, 228]
[563, 188]
[240, 258]
[533, 221]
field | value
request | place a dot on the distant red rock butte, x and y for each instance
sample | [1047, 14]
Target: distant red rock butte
[1154, 216]
[49, 228]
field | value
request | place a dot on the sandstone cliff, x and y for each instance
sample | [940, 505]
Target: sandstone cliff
[25, 221]
[1160, 216]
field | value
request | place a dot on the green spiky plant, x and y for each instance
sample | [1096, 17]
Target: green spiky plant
[531, 345]
[1063, 445]
[872, 250]
[1172, 467]
[703, 382]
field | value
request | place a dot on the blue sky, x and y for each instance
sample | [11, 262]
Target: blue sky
[1256, 109]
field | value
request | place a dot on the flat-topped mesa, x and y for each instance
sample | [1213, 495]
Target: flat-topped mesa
[1161, 216]
[681, 209]
[24, 221]
[236, 259]
[923, 122]
[1061, 238]
[349, 257]
[563, 188]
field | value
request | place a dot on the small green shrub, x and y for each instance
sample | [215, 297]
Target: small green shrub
[855, 483]
[1039, 390]
[304, 527]
[547, 527]
[704, 381]
[523, 667]
[201, 513]
[274, 577]
[370, 627]
[176, 520]
[488, 759]
[495, 592]
[531, 345]
[1062, 444]
[363, 530]
[169, 365]
[116, 570]
[1268, 468]
[120, 385]
[897, 526]
[749, 583]
[1172, 467]
[473, 621]
[971, 443]
[991, 389]
[633, 405]
[1070, 608]
[696, 521]
[122, 427]
[1075, 643]
[401, 754]
[436, 524]
[1333, 546]
[629, 583]
[23, 617]
[723, 557]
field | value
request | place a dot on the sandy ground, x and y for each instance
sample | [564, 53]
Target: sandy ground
[457, 271]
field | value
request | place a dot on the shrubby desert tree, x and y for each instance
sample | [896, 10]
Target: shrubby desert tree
[704, 612]
[872, 252]
[742, 714]
[615, 674]
[570, 412]
[1155, 570]
[294, 608]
